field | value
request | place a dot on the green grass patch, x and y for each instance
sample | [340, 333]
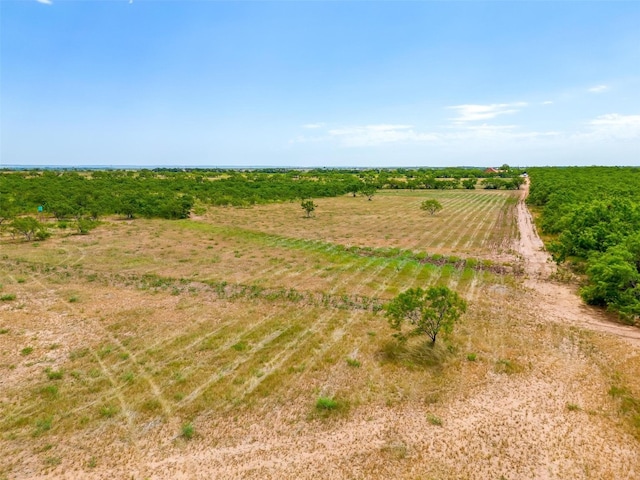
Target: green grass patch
[326, 404]
[54, 374]
[42, 425]
[352, 362]
[240, 346]
[187, 431]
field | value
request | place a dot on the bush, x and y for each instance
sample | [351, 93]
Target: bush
[188, 431]
[326, 403]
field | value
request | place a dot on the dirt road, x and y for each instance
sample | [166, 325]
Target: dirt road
[558, 301]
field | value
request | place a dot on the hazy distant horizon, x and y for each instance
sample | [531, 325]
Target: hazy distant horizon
[283, 167]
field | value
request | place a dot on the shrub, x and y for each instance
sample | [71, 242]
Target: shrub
[326, 403]
[188, 431]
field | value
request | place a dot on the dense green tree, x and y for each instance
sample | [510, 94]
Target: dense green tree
[8, 209]
[594, 214]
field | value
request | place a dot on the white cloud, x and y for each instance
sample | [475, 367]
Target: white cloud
[547, 102]
[473, 113]
[372, 135]
[599, 89]
[400, 134]
[313, 125]
[45, 2]
[614, 125]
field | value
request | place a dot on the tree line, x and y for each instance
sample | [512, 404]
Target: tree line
[83, 197]
[593, 216]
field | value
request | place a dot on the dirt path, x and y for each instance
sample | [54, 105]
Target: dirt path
[558, 301]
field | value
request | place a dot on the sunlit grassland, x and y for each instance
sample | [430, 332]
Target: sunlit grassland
[471, 222]
[149, 322]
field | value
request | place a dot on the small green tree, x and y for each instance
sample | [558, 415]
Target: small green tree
[85, 225]
[308, 206]
[30, 228]
[469, 183]
[432, 206]
[427, 311]
[368, 190]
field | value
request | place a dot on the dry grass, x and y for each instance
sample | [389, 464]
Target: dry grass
[151, 344]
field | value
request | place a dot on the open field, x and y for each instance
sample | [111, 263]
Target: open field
[199, 349]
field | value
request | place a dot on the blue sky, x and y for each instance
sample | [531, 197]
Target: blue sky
[319, 83]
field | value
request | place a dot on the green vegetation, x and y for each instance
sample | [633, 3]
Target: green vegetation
[83, 197]
[188, 431]
[352, 362]
[326, 403]
[308, 206]
[54, 374]
[432, 206]
[502, 184]
[428, 311]
[30, 228]
[593, 216]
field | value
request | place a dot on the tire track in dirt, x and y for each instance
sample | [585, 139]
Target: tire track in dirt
[558, 302]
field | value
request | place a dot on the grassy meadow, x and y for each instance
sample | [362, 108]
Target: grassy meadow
[147, 337]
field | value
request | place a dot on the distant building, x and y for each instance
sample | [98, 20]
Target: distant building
[491, 170]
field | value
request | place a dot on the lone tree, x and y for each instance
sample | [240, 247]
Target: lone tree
[427, 311]
[368, 190]
[432, 206]
[308, 206]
